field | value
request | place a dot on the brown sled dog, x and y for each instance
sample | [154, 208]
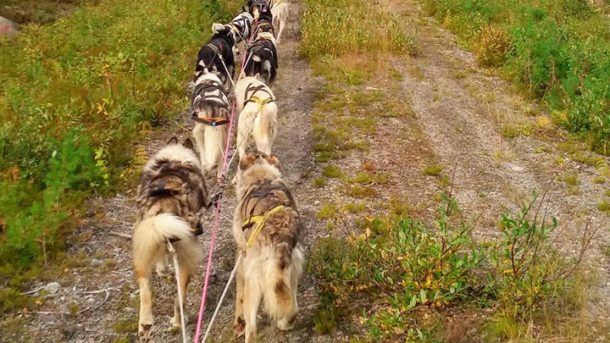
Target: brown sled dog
[266, 228]
[171, 193]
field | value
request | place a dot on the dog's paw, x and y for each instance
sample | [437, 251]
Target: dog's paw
[286, 324]
[239, 327]
[175, 322]
[145, 331]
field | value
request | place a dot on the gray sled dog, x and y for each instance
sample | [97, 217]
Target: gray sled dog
[266, 228]
[171, 193]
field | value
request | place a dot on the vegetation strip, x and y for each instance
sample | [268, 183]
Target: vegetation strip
[558, 51]
[77, 94]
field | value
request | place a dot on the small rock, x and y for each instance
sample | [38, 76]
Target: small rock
[52, 287]
[514, 167]
[95, 262]
[7, 27]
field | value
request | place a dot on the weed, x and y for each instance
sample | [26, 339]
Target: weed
[354, 207]
[327, 211]
[513, 131]
[357, 191]
[125, 325]
[604, 206]
[363, 178]
[492, 47]
[433, 170]
[570, 180]
[319, 182]
[332, 171]
[416, 264]
[600, 180]
[531, 277]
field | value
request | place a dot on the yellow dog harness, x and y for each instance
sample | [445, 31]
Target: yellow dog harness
[259, 101]
[260, 223]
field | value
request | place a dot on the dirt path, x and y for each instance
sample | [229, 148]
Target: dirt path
[463, 113]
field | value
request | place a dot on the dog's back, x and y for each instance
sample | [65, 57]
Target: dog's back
[267, 227]
[171, 193]
[262, 58]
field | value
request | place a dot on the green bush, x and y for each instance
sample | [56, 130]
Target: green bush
[403, 265]
[75, 96]
[559, 50]
[406, 267]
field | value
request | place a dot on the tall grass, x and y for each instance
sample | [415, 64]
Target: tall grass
[338, 27]
[75, 96]
[558, 50]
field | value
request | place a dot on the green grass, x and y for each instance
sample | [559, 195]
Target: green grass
[433, 170]
[604, 206]
[327, 211]
[75, 96]
[570, 180]
[332, 171]
[557, 50]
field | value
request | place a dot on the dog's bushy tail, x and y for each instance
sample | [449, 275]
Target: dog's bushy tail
[280, 292]
[210, 144]
[150, 235]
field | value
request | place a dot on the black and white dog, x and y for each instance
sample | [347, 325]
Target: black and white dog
[217, 56]
[262, 56]
[210, 100]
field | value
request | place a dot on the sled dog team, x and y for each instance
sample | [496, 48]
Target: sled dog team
[172, 190]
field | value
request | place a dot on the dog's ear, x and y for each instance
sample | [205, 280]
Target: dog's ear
[274, 161]
[247, 161]
[173, 140]
[217, 27]
[188, 143]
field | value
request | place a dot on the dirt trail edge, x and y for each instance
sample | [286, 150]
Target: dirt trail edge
[96, 299]
[463, 111]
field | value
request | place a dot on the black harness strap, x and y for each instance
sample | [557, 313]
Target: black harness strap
[262, 192]
[210, 92]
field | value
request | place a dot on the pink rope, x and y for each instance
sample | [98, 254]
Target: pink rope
[214, 232]
[217, 216]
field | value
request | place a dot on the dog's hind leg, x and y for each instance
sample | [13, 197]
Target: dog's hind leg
[239, 324]
[252, 299]
[198, 132]
[184, 277]
[146, 316]
[279, 33]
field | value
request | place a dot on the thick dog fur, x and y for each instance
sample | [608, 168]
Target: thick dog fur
[262, 57]
[211, 56]
[280, 13]
[210, 140]
[271, 267]
[171, 193]
[241, 26]
[256, 121]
